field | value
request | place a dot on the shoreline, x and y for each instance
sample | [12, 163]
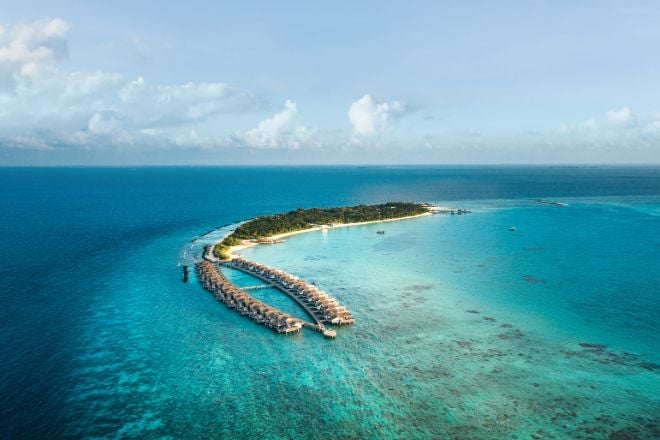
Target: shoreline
[246, 245]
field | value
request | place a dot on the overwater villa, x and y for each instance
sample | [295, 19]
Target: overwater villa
[212, 279]
[319, 304]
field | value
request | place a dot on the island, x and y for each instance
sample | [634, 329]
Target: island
[318, 305]
[272, 228]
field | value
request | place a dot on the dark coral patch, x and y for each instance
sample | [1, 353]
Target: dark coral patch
[421, 287]
[649, 366]
[593, 347]
[511, 334]
[532, 280]
[464, 344]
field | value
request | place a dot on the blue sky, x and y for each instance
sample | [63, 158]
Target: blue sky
[329, 82]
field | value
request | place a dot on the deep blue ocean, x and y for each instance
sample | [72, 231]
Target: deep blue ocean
[464, 328]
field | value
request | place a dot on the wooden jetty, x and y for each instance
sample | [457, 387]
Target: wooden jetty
[257, 287]
[213, 280]
[319, 305]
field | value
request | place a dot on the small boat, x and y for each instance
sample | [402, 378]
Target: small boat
[512, 228]
[380, 232]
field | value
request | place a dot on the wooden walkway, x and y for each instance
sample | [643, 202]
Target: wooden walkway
[213, 280]
[260, 286]
[318, 304]
[312, 313]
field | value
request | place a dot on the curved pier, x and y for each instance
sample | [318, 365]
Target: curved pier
[212, 279]
[320, 306]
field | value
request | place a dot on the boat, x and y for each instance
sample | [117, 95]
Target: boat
[380, 232]
[512, 228]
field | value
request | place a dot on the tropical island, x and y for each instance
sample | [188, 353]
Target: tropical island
[322, 309]
[270, 228]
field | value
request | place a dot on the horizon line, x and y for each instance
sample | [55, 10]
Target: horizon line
[338, 165]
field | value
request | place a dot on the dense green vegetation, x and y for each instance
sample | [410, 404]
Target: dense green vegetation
[221, 251]
[299, 219]
[231, 241]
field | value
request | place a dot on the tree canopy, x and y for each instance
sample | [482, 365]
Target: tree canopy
[299, 219]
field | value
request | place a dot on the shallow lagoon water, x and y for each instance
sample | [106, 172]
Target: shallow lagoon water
[476, 331]
[464, 330]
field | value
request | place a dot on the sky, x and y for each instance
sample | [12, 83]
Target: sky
[343, 82]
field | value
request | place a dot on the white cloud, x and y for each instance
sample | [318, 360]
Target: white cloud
[370, 118]
[95, 107]
[192, 92]
[131, 91]
[103, 124]
[589, 125]
[652, 124]
[169, 105]
[613, 121]
[623, 117]
[79, 84]
[24, 44]
[28, 143]
[285, 129]
[617, 130]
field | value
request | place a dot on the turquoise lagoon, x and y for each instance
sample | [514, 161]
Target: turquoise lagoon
[464, 328]
[469, 330]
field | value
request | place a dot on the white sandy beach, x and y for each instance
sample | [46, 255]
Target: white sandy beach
[247, 244]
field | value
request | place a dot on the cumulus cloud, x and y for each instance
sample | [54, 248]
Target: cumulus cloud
[286, 129]
[370, 118]
[25, 44]
[589, 125]
[168, 105]
[616, 130]
[80, 84]
[623, 117]
[39, 100]
[652, 125]
[28, 143]
[614, 121]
